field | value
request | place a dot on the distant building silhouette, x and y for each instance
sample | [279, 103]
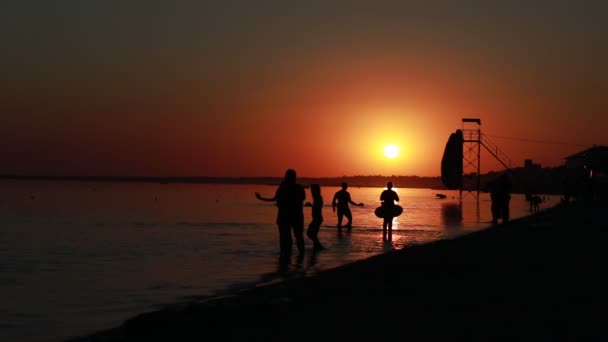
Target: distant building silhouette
[587, 174]
[594, 158]
[528, 164]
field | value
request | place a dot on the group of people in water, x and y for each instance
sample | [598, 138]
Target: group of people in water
[290, 196]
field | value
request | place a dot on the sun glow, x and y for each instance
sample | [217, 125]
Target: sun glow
[391, 151]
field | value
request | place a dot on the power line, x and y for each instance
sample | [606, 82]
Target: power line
[538, 141]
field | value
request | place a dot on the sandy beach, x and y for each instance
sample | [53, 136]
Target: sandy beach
[535, 278]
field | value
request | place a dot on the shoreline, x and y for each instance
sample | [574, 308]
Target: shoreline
[537, 277]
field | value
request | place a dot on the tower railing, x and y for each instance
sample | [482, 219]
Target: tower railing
[491, 147]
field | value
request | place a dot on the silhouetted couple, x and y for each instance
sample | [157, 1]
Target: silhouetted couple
[289, 198]
[341, 202]
[500, 194]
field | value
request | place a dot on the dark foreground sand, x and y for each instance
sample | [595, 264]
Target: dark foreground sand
[537, 278]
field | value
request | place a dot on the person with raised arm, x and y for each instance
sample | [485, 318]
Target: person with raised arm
[289, 198]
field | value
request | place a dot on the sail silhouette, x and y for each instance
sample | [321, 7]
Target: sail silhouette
[451, 162]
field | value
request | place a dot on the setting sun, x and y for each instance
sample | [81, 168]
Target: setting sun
[391, 151]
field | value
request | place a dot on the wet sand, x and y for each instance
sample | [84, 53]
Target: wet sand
[536, 278]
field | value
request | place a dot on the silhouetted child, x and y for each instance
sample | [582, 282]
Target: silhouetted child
[535, 202]
[317, 216]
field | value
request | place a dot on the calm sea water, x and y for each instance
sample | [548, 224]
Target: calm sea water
[78, 257]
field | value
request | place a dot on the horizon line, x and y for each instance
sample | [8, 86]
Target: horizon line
[9, 175]
[114, 177]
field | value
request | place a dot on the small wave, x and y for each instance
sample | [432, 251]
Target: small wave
[353, 227]
[403, 228]
[145, 224]
[170, 285]
[218, 224]
[198, 224]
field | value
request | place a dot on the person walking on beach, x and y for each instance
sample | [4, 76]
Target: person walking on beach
[289, 198]
[317, 216]
[388, 197]
[341, 201]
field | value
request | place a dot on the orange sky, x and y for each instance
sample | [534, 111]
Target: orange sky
[242, 90]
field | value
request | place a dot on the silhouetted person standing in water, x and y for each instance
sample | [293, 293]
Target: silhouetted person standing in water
[290, 198]
[341, 201]
[388, 198]
[317, 216]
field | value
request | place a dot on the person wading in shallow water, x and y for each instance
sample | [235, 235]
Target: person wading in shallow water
[317, 216]
[289, 198]
[341, 202]
[388, 198]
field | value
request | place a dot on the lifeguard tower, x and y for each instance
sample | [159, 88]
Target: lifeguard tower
[461, 163]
